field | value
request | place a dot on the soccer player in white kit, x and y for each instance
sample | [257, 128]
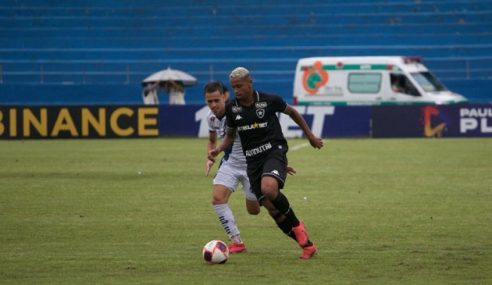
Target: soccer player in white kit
[232, 169]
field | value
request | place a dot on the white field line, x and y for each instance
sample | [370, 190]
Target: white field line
[299, 146]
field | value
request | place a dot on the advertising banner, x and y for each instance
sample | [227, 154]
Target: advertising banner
[78, 122]
[330, 121]
[324, 121]
[31, 122]
[182, 120]
[473, 121]
[432, 121]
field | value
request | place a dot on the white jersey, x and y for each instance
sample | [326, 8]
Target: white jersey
[235, 156]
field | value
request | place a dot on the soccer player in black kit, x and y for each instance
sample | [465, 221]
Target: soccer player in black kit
[254, 115]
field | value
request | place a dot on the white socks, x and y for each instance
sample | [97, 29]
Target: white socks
[227, 220]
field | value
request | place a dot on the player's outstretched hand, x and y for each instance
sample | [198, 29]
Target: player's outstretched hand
[208, 166]
[291, 170]
[316, 142]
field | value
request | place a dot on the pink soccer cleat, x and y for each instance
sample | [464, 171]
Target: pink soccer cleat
[237, 247]
[308, 252]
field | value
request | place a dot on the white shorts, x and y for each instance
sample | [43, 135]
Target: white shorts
[230, 176]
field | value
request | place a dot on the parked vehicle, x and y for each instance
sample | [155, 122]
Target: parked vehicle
[368, 80]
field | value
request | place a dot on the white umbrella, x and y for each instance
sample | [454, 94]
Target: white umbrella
[170, 74]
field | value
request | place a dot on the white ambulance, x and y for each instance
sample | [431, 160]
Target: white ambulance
[368, 80]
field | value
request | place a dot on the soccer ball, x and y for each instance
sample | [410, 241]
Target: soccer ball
[215, 252]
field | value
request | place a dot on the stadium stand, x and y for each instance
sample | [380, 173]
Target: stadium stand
[97, 52]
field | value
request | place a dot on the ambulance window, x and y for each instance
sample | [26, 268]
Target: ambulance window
[401, 84]
[397, 82]
[409, 88]
[428, 82]
[364, 82]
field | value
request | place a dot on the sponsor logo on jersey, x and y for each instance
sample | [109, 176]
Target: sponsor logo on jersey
[253, 126]
[258, 150]
[237, 109]
[238, 117]
[261, 105]
[260, 113]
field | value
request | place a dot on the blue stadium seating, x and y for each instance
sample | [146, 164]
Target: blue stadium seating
[97, 52]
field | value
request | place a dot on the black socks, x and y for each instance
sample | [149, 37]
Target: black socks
[285, 225]
[282, 204]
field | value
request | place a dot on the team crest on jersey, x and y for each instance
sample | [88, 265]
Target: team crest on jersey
[236, 109]
[260, 113]
[260, 105]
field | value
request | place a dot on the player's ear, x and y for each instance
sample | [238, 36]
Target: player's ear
[226, 95]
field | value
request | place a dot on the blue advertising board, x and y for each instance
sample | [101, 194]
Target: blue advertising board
[330, 121]
[324, 121]
[31, 122]
[180, 120]
[432, 121]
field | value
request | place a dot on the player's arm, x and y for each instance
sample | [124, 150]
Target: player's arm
[212, 142]
[225, 144]
[296, 117]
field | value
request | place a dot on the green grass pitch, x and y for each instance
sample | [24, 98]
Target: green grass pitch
[137, 211]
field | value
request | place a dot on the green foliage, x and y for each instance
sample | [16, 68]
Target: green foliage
[412, 211]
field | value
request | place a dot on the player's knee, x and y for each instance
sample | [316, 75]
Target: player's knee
[270, 192]
[220, 194]
[218, 202]
[253, 207]
[219, 199]
[269, 188]
[254, 211]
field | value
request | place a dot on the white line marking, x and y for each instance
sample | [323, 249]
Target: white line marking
[299, 146]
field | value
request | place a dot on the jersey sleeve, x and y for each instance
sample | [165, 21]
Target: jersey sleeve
[230, 123]
[278, 103]
[210, 118]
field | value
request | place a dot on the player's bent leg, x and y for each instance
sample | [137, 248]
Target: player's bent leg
[282, 222]
[252, 204]
[253, 207]
[280, 201]
[269, 187]
[220, 194]
[220, 197]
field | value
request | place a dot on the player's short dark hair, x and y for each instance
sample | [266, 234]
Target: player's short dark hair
[214, 86]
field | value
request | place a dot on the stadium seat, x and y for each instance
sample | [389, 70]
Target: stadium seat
[94, 52]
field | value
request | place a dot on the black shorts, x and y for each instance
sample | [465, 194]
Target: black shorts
[274, 164]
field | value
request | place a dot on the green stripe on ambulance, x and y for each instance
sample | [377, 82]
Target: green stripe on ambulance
[368, 80]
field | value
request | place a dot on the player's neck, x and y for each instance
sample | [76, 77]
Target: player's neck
[247, 100]
[220, 114]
